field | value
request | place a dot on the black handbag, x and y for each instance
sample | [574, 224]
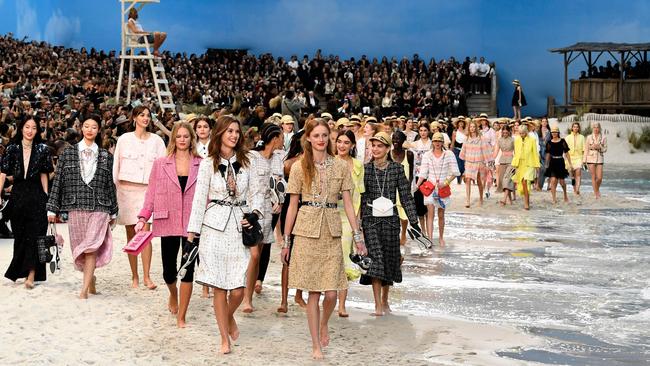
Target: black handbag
[252, 235]
[44, 243]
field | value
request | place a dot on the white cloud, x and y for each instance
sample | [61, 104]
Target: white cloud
[26, 21]
[62, 30]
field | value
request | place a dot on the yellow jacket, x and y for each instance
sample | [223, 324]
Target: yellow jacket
[577, 147]
[525, 155]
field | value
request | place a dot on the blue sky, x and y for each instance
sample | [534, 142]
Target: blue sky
[516, 35]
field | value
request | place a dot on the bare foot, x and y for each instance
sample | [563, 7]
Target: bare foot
[247, 308]
[282, 308]
[173, 305]
[377, 313]
[150, 285]
[343, 313]
[258, 287]
[29, 284]
[180, 323]
[441, 241]
[233, 329]
[324, 337]
[300, 302]
[92, 289]
[225, 348]
[317, 354]
[135, 283]
[387, 308]
[83, 295]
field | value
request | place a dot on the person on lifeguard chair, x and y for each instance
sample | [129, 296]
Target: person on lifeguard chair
[155, 38]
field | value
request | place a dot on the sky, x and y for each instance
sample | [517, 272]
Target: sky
[516, 35]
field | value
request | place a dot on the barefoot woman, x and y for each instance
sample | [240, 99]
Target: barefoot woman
[317, 259]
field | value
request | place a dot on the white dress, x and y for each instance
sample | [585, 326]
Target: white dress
[261, 170]
[224, 258]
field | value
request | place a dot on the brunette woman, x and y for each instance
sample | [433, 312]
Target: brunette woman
[83, 187]
[576, 142]
[202, 128]
[169, 199]
[363, 146]
[345, 150]
[405, 157]
[503, 152]
[134, 155]
[458, 138]
[544, 136]
[518, 99]
[526, 161]
[557, 157]
[595, 148]
[264, 164]
[222, 197]
[293, 156]
[384, 181]
[28, 161]
[477, 155]
[419, 148]
[408, 130]
[316, 258]
[438, 167]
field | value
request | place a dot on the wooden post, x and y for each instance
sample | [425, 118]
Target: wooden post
[589, 65]
[620, 80]
[566, 81]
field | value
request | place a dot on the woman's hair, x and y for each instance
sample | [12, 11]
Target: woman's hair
[375, 127]
[19, 130]
[268, 132]
[459, 122]
[576, 124]
[137, 110]
[295, 147]
[171, 146]
[307, 160]
[478, 129]
[595, 124]
[506, 128]
[209, 121]
[350, 135]
[523, 128]
[214, 147]
[133, 13]
[100, 135]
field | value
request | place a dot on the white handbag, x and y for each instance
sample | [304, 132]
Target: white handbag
[382, 207]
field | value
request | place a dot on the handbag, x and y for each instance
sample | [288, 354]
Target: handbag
[444, 192]
[253, 234]
[426, 188]
[137, 244]
[44, 243]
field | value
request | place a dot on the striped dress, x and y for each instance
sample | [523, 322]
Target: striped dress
[476, 153]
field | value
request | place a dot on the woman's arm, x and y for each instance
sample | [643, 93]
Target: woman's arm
[292, 212]
[352, 218]
[45, 178]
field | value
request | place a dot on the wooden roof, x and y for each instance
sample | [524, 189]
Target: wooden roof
[603, 47]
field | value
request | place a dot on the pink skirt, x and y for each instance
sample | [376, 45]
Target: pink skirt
[130, 199]
[90, 232]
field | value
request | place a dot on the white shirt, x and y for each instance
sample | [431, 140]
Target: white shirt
[473, 68]
[202, 149]
[88, 160]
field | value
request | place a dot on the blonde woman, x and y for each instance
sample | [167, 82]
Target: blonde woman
[526, 161]
[477, 154]
[595, 148]
[576, 143]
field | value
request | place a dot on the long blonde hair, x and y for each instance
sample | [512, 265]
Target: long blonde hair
[307, 159]
[171, 146]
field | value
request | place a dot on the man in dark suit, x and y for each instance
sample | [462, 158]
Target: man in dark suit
[312, 102]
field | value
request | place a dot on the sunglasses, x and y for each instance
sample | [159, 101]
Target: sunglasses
[278, 190]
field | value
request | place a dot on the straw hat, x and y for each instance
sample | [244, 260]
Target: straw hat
[555, 128]
[435, 124]
[355, 118]
[286, 119]
[482, 116]
[276, 115]
[371, 119]
[438, 137]
[516, 82]
[342, 122]
[383, 138]
[326, 115]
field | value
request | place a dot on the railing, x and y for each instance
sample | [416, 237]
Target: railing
[607, 91]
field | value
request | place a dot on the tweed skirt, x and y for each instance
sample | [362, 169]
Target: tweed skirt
[130, 199]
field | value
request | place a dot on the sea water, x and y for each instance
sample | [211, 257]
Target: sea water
[583, 283]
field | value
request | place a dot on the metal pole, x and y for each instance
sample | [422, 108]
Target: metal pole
[566, 81]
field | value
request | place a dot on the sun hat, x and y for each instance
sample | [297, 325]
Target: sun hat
[516, 82]
[286, 119]
[371, 119]
[342, 122]
[326, 115]
[383, 138]
[438, 137]
[555, 128]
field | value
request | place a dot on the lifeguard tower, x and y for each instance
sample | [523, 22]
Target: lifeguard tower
[136, 47]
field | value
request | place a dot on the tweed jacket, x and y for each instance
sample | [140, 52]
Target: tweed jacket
[211, 185]
[70, 193]
[394, 181]
[310, 219]
[170, 206]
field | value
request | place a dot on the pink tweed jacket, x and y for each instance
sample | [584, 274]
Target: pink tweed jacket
[171, 208]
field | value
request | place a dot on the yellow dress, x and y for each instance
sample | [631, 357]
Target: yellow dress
[526, 160]
[576, 144]
[351, 270]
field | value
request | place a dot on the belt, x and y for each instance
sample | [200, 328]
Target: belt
[228, 203]
[557, 157]
[319, 204]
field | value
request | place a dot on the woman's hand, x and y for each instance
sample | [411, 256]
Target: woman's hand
[245, 223]
[284, 256]
[139, 226]
[361, 248]
[51, 219]
[277, 208]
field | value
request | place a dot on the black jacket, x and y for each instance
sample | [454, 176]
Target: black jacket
[69, 191]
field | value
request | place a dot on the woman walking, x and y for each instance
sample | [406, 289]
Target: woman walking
[503, 152]
[202, 128]
[458, 138]
[419, 148]
[596, 146]
[83, 187]
[316, 258]
[264, 165]
[134, 155]
[557, 157]
[438, 167]
[576, 143]
[221, 200]
[345, 150]
[405, 157]
[477, 154]
[544, 136]
[518, 100]
[169, 195]
[363, 144]
[384, 181]
[526, 161]
[28, 161]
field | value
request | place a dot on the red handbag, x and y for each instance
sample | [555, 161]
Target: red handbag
[444, 192]
[138, 243]
[426, 188]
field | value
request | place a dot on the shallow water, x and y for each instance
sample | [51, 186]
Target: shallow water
[583, 284]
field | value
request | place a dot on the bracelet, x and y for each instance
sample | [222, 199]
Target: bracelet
[286, 242]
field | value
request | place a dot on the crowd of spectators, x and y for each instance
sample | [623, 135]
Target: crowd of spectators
[640, 70]
[62, 85]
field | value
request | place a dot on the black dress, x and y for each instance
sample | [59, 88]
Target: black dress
[28, 212]
[381, 234]
[515, 98]
[556, 166]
